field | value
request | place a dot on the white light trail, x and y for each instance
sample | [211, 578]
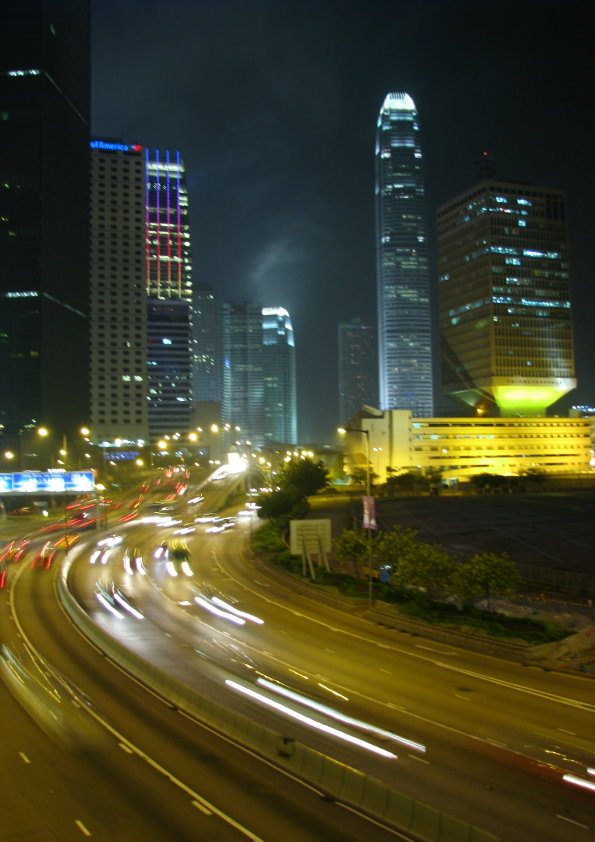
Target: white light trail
[306, 720]
[214, 610]
[109, 607]
[128, 607]
[335, 714]
[572, 779]
[233, 610]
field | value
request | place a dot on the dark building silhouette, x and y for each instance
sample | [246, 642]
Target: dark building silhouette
[44, 216]
[357, 368]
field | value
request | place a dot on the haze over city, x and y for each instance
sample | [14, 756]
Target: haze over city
[274, 107]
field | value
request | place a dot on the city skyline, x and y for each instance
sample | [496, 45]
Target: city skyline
[281, 184]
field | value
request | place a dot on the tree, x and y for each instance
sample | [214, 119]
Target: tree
[305, 475]
[359, 476]
[486, 575]
[415, 564]
[282, 505]
[352, 547]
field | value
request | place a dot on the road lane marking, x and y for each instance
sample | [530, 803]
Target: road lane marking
[511, 685]
[125, 748]
[82, 827]
[572, 821]
[564, 731]
[419, 759]
[433, 649]
[202, 808]
[24, 756]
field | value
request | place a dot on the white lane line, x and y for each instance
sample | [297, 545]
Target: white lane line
[564, 731]
[433, 649]
[419, 759]
[572, 821]
[388, 672]
[464, 698]
[82, 828]
[511, 685]
[125, 748]
[24, 756]
[202, 808]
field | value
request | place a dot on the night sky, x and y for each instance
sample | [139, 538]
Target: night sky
[273, 105]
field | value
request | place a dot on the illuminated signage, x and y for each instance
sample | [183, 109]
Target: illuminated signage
[56, 482]
[121, 455]
[115, 147]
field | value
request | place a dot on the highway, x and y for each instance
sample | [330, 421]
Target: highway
[482, 739]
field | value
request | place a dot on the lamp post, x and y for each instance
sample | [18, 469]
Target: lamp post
[367, 507]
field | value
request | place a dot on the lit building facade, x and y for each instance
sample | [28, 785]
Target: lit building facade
[242, 382]
[168, 367]
[44, 223]
[168, 256]
[504, 290]
[140, 258]
[279, 377]
[464, 447]
[118, 379]
[403, 282]
[206, 384]
[358, 367]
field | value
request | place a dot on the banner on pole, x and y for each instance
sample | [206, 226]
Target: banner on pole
[369, 513]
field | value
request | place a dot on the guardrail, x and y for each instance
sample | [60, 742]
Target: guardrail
[333, 779]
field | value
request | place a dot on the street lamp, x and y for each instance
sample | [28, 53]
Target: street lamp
[367, 507]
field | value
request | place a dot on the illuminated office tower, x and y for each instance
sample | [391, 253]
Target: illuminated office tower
[169, 267]
[504, 293]
[118, 381]
[403, 287]
[205, 345]
[279, 376]
[242, 373]
[140, 261]
[357, 368]
[168, 367]
[44, 217]
[168, 279]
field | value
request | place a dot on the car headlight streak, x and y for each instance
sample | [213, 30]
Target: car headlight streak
[572, 779]
[335, 714]
[236, 611]
[306, 720]
[214, 610]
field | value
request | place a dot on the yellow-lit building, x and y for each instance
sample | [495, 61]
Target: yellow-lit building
[464, 447]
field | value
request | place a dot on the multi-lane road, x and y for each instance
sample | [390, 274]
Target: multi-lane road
[482, 739]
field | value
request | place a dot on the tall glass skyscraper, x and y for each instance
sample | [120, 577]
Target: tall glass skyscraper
[403, 284]
[278, 363]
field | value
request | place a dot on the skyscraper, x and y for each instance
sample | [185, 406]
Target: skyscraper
[118, 381]
[279, 376]
[140, 261]
[357, 368]
[403, 286]
[242, 375]
[44, 221]
[169, 266]
[205, 345]
[169, 282]
[504, 295]
[168, 366]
